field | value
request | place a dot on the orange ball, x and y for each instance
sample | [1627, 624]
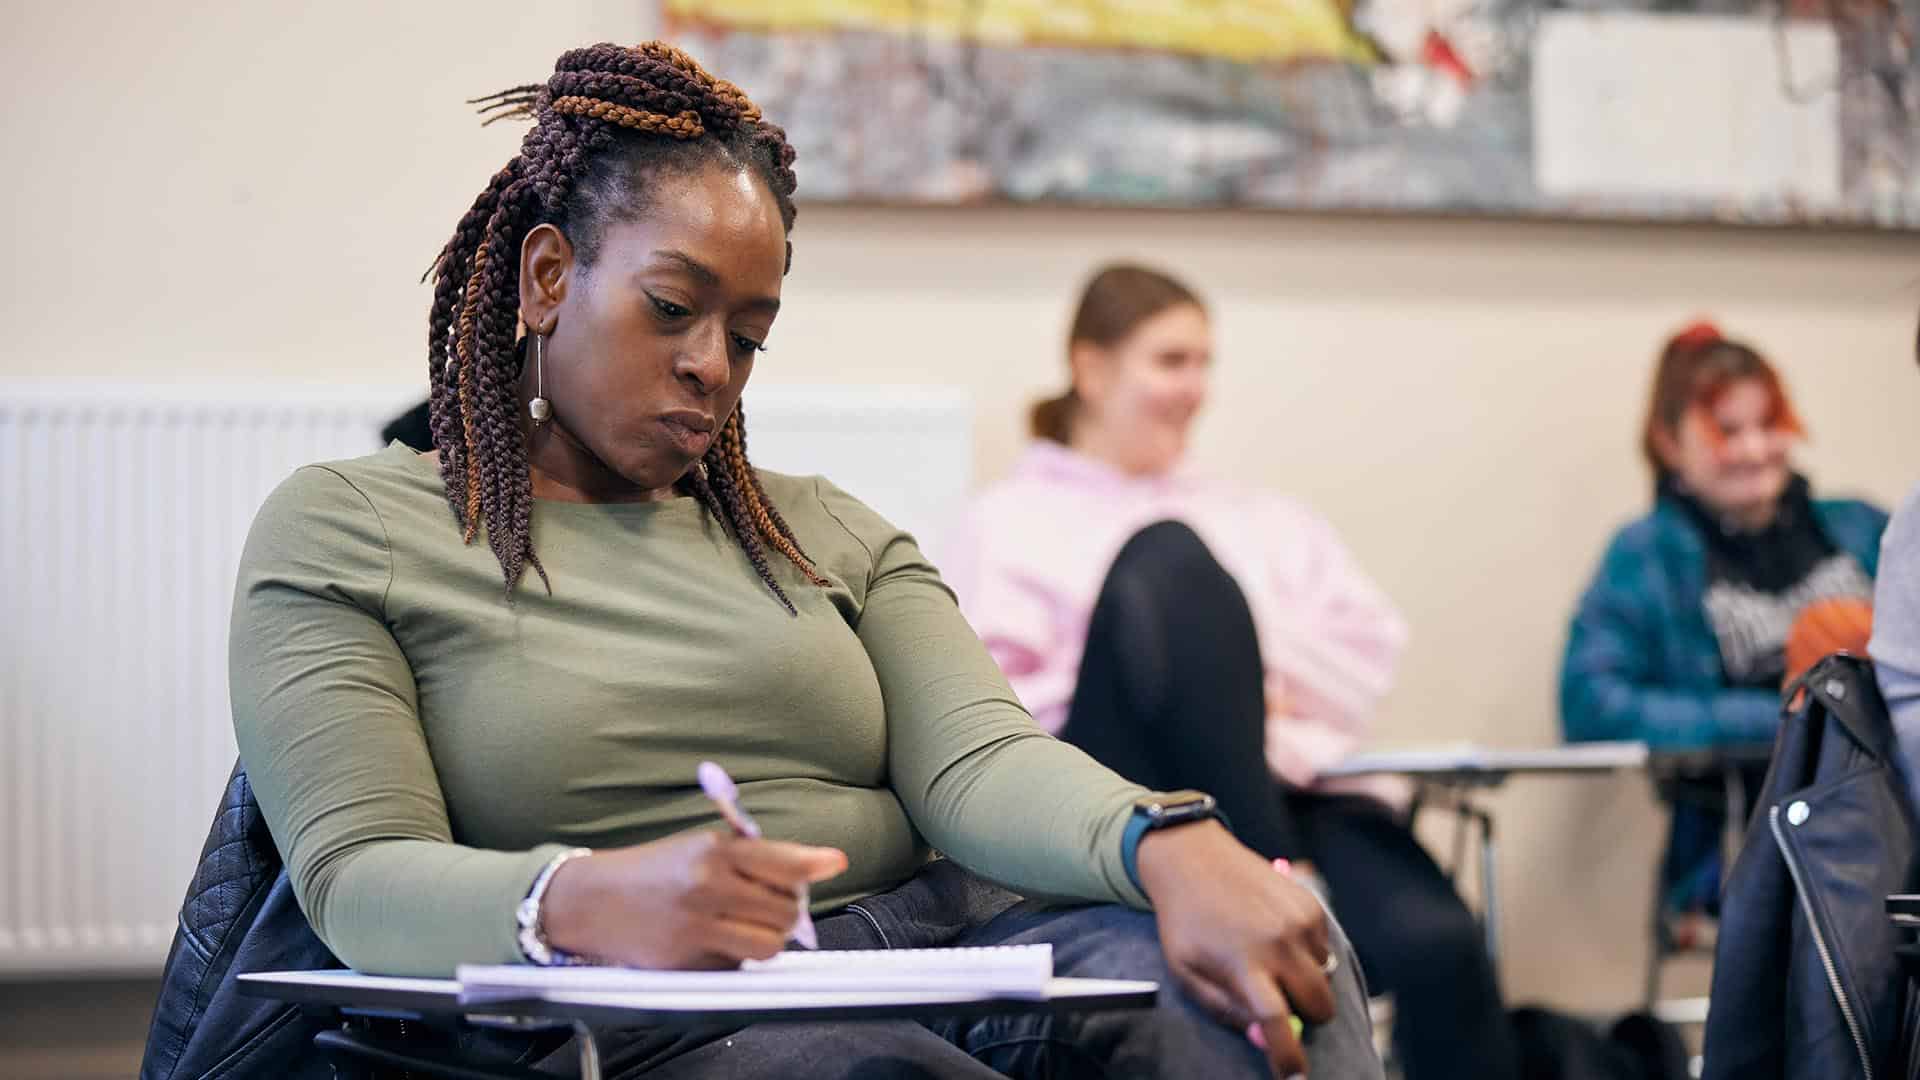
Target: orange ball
[1825, 627]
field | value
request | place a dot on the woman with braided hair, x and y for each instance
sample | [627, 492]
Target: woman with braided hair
[462, 761]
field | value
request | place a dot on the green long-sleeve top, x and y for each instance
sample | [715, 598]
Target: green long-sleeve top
[421, 746]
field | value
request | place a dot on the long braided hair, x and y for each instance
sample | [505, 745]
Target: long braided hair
[609, 120]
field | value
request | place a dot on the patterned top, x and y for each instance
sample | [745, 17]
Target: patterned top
[1646, 658]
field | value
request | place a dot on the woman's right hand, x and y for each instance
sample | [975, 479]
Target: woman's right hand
[696, 899]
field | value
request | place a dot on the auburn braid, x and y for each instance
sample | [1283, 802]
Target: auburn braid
[719, 489]
[606, 121]
[733, 444]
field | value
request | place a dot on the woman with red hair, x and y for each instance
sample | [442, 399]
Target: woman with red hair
[1681, 641]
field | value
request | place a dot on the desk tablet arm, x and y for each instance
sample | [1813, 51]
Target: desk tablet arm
[351, 1049]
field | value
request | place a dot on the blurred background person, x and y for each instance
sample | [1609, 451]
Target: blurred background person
[412, 429]
[1191, 633]
[1682, 638]
[1896, 631]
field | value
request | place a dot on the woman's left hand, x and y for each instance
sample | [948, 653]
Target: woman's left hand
[1248, 943]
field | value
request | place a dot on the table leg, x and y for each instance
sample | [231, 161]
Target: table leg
[1657, 957]
[1462, 826]
[1736, 831]
[1489, 885]
[1466, 816]
[589, 1052]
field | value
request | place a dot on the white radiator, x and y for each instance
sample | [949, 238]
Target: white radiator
[122, 511]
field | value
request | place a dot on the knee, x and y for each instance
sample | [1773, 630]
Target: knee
[1122, 944]
[1127, 946]
[1168, 559]
[1169, 546]
[1183, 1035]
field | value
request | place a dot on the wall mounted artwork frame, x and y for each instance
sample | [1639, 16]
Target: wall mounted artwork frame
[1806, 114]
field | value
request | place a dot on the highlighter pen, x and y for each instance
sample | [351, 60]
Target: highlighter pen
[726, 796]
[1294, 1024]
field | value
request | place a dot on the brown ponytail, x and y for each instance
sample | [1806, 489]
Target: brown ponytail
[1114, 303]
[1052, 418]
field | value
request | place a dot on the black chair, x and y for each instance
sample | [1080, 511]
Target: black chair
[1718, 781]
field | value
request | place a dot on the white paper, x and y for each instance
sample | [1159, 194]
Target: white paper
[1015, 970]
[736, 1000]
[771, 1000]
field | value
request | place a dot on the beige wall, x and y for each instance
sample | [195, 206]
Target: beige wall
[229, 191]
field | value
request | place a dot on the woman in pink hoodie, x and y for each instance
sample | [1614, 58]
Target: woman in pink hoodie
[1188, 634]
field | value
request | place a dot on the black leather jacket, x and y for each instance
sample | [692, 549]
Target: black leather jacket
[1805, 980]
[240, 915]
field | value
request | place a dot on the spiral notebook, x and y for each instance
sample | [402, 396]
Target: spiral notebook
[999, 971]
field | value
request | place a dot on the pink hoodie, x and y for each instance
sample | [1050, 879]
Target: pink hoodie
[1032, 553]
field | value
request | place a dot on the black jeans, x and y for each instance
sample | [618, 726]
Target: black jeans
[1170, 696]
[945, 905]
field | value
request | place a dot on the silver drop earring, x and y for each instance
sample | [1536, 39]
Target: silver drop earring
[539, 407]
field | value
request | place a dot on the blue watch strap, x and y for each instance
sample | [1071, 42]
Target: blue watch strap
[1136, 831]
[1130, 847]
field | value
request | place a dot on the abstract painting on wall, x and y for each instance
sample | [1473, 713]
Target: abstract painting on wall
[1729, 110]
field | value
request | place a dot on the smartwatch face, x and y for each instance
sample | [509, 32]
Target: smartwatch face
[1172, 806]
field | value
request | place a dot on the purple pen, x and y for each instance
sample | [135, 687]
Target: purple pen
[726, 796]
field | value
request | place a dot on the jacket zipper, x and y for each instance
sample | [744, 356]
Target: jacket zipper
[1820, 943]
[868, 915]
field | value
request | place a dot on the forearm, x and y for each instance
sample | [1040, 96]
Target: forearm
[1597, 708]
[979, 780]
[417, 907]
[1029, 811]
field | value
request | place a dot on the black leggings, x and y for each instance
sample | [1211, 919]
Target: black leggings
[1170, 695]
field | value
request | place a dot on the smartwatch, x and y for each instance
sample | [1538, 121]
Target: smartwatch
[1162, 810]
